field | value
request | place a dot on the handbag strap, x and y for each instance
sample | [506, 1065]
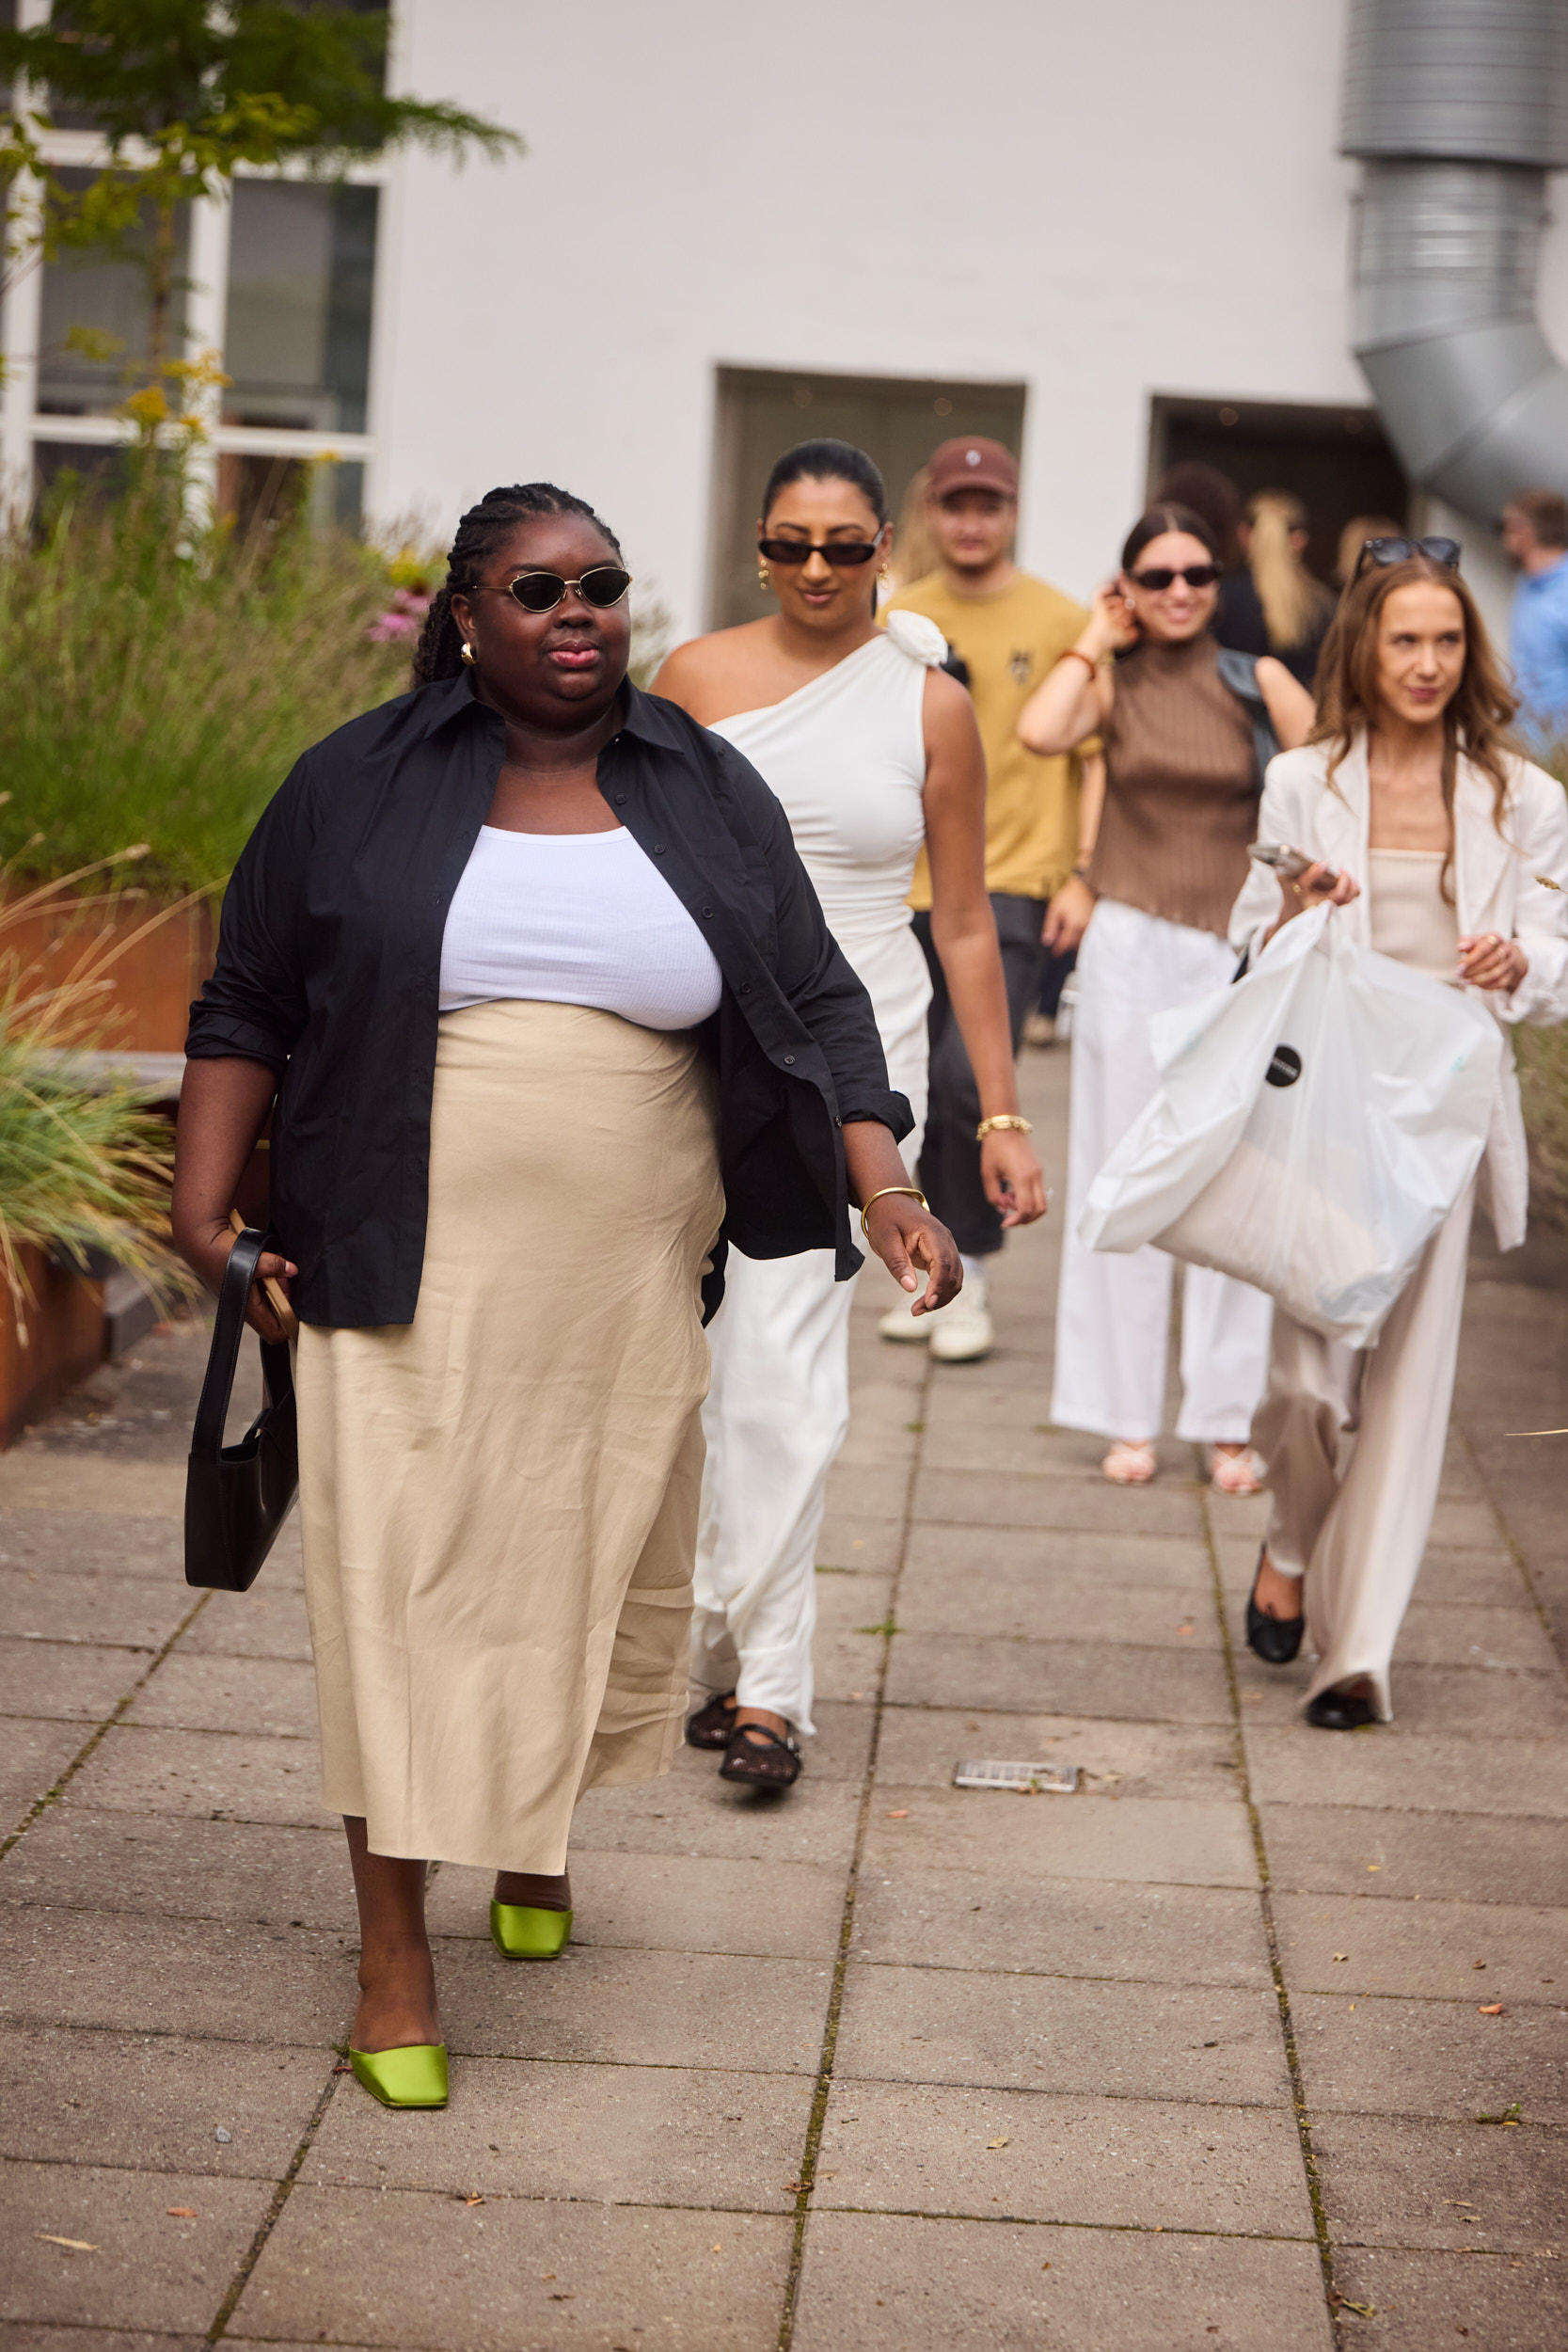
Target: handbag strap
[223, 1361]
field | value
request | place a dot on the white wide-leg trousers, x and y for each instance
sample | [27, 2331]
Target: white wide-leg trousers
[1359, 1536]
[1113, 1312]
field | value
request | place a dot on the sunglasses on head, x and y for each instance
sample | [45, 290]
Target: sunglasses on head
[540, 592]
[1162, 575]
[1444, 551]
[834, 551]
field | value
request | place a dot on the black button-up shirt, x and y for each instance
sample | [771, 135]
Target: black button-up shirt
[329, 963]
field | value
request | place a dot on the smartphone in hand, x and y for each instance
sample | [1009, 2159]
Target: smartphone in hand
[1289, 864]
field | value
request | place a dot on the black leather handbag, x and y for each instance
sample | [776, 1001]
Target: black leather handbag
[237, 1497]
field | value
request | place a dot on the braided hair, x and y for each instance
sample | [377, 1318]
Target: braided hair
[439, 651]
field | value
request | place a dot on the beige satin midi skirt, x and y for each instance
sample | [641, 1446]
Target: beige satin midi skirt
[499, 1500]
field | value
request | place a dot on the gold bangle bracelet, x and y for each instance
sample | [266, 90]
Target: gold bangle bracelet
[1006, 1119]
[914, 1190]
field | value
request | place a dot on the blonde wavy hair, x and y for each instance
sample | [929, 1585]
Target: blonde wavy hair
[1292, 599]
[1477, 717]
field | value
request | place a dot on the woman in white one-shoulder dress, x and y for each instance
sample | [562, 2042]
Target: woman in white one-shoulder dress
[873, 749]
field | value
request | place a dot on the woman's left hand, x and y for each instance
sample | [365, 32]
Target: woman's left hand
[910, 1242]
[1491, 962]
[1013, 1178]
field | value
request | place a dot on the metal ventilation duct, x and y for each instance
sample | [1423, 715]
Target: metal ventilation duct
[1458, 109]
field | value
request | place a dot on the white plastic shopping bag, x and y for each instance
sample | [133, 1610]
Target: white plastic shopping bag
[1315, 1124]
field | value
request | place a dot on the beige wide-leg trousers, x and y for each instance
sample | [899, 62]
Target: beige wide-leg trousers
[1358, 1535]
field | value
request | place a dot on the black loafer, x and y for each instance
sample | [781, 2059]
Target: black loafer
[1340, 1710]
[1275, 1639]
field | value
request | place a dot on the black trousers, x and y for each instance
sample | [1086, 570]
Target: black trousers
[950, 1157]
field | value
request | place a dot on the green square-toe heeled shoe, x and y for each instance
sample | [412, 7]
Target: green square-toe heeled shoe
[519, 1932]
[414, 2076]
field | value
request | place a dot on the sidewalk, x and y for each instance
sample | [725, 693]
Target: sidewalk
[888, 2065]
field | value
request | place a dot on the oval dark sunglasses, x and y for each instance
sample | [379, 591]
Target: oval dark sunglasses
[540, 592]
[1444, 551]
[834, 551]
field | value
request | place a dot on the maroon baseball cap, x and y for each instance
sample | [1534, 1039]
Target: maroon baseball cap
[974, 464]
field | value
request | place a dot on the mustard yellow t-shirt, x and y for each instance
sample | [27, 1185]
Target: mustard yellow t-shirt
[1009, 640]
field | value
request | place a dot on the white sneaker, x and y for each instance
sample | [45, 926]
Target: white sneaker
[961, 1331]
[902, 1323]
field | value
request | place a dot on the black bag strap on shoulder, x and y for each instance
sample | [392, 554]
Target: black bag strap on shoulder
[1239, 671]
[223, 1361]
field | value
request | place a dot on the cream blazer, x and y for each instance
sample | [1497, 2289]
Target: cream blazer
[1498, 887]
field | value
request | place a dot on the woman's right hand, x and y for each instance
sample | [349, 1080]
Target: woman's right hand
[1112, 626]
[1318, 887]
[207, 1255]
[1067, 918]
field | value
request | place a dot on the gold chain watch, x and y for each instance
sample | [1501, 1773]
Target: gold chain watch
[1004, 1120]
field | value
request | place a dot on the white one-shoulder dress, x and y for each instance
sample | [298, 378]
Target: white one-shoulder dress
[847, 757]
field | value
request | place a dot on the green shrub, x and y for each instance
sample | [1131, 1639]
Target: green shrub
[158, 683]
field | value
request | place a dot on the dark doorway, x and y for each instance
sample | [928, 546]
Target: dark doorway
[899, 420]
[1336, 460]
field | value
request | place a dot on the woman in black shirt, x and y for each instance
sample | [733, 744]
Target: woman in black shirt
[527, 1071]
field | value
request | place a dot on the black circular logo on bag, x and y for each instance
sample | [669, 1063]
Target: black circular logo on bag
[1285, 1069]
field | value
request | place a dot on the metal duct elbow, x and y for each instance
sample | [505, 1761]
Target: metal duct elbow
[1458, 109]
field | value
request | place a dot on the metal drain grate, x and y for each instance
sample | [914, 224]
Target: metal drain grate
[1029, 1780]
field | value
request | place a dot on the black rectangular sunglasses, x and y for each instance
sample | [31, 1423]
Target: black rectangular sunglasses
[1444, 551]
[831, 551]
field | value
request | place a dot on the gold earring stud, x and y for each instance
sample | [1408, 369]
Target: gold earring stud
[763, 576]
[884, 579]
[469, 655]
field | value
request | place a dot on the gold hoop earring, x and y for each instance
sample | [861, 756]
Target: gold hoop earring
[469, 655]
[765, 578]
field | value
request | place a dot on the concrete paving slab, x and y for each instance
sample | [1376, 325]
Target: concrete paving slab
[854, 1539]
[1488, 1576]
[1180, 1841]
[65, 1679]
[429, 2270]
[231, 1983]
[877, 1494]
[691, 1811]
[847, 1650]
[920, 1746]
[1419, 1771]
[1468, 1523]
[208, 1774]
[788, 1910]
[1501, 2301]
[841, 1746]
[1120, 2162]
[1061, 1926]
[238, 1873]
[267, 1697]
[66, 1543]
[32, 1478]
[984, 1498]
[146, 2269]
[1359, 1850]
[134, 1613]
[604, 2135]
[1470, 2189]
[1046, 1603]
[33, 1756]
[154, 2101]
[1197, 2043]
[1481, 1704]
[961, 1552]
[884, 2283]
[1179, 1684]
[1437, 1950]
[269, 1621]
[1431, 2058]
[1439, 1633]
[28, 2339]
[635, 2007]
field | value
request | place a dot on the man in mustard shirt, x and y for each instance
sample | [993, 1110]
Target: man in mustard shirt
[1008, 629]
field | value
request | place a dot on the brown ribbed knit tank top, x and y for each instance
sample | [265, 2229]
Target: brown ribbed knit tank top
[1182, 787]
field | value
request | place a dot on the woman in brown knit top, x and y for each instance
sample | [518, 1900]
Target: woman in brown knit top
[1159, 868]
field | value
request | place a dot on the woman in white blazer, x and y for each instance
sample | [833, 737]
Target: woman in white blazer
[1448, 851]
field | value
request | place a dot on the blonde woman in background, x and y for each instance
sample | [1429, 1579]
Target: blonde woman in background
[915, 552]
[1353, 538]
[1276, 606]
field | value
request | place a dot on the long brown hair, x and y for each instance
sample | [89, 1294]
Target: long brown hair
[1475, 721]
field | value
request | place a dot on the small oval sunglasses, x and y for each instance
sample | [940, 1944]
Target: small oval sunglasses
[1160, 576]
[540, 592]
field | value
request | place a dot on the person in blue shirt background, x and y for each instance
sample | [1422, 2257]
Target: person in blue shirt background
[1535, 532]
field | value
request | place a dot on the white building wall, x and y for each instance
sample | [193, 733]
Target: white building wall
[1104, 202]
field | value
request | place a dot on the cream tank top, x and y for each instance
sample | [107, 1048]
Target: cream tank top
[1408, 917]
[847, 757]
